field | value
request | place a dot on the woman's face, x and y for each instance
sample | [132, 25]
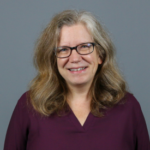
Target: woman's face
[72, 36]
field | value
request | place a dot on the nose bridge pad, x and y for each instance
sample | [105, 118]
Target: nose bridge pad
[74, 57]
[74, 48]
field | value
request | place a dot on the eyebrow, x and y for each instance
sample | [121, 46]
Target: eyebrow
[63, 46]
[76, 45]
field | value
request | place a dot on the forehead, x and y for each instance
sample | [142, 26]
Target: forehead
[73, 35]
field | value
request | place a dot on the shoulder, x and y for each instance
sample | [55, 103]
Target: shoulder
[127, 111]
[130, 105]
[131, 99]
[23, 105]
[138, 121]
[127, 107]
[18, 125]
[130, 102]
[24, 100]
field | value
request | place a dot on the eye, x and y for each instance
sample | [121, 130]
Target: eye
[62, 49]
[86, 45]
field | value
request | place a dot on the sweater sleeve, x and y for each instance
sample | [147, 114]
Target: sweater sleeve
[17, 132]
[142, 137]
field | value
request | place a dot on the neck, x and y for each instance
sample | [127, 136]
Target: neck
[78, 95]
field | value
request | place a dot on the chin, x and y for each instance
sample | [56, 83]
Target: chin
[79, 83]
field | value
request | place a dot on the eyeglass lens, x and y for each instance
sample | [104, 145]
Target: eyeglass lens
[83, 49]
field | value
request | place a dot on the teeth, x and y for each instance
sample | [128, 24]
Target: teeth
[77, 69]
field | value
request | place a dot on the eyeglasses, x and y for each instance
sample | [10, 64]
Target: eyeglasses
[82, 49]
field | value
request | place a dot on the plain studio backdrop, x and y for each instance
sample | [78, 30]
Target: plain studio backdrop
[21, 22]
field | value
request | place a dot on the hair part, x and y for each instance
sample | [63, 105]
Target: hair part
[48, 90]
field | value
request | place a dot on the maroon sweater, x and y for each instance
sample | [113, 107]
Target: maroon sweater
[122, 128]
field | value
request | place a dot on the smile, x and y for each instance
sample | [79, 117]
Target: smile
[77, 69]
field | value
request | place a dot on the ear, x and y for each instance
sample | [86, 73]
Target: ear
[99, 60]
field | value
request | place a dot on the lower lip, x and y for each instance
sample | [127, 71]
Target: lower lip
[80, 71]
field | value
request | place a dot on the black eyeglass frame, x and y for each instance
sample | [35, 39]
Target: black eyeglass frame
[71, 48]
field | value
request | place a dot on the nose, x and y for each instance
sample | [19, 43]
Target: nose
[74, 57]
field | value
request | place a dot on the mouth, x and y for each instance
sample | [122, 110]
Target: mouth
[77, 69]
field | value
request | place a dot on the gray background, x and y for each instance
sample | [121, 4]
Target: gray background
[21, 22]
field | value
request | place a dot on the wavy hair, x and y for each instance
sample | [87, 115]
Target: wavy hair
[48, 90]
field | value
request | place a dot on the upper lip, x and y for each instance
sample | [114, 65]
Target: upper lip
[77, 67]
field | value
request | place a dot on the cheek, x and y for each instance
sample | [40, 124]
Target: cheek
[88, 58]
[61, 62]
[92, 59]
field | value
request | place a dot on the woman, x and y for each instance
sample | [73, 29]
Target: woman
[78, 100]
